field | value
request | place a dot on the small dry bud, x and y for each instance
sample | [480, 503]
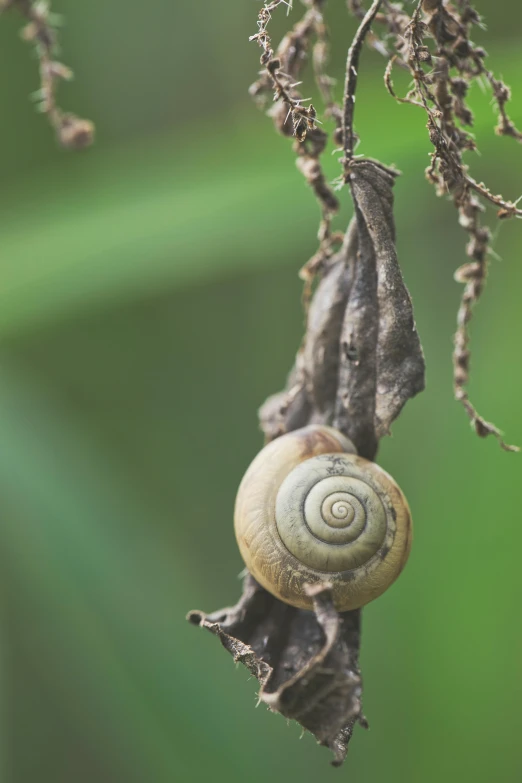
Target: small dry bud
[433, 133]
[443, 27]
[60, 71]
[476, 248]
[502, 92]
[75, 133]
[431, 5]
[460, 376]
[309, 167]
[465, 115]
[256, 89]
[462, 47]
[424, 54]
[483, 234]
[29, 33]
[467, 272]
[482, 428]
[311, 116]
[459, 87]
[470, 16]
[300, 126]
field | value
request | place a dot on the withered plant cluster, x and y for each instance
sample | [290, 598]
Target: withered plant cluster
[40, 30]
[361, 358]
[281, 76]
[434, 43]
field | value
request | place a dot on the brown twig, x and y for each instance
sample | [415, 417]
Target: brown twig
[320, 57]
[72, 131]
[281, 74]
[350, 86]
[280, 80]
[455, 62]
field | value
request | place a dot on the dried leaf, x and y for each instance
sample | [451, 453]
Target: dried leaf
[323, 331]
[361, 357]
[306, 662]
[381, 361]
[311, 389]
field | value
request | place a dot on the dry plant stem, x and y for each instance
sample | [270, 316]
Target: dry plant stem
[321, 53]
[72, 131]
[392, 17]
[455, 62]
[352, 65]
[281, 75]
[303, 118]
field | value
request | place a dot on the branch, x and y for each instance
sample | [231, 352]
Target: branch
[281, 75]
[350, 85]
[442, 74]
[72, 131]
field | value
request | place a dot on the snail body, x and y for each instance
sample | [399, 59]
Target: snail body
[310, 510]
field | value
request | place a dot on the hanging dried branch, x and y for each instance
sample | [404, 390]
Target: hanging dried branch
[359, 362]
[360, 359]
[280, 77]
[72, 132]
[393, 18]
[436, 47]
[350, 85]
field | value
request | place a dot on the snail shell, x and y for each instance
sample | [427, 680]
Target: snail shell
[309, 510]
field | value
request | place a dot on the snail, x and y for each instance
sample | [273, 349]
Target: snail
[310, 510]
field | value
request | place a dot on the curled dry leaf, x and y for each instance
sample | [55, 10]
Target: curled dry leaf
[381, 360]
[361, 357]
[306, 662]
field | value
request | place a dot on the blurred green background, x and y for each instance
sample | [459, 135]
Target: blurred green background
[149, 302]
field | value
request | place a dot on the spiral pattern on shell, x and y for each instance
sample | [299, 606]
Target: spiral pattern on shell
[310, 510]
[329, 516]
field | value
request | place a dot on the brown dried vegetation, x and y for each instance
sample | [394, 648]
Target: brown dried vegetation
[71, 131]
[360, 359]
[434, 44]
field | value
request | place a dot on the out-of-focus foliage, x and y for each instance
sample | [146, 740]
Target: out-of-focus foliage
[149, 302]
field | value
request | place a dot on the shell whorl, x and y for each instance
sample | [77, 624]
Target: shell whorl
[329, 516]
[310, 510]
